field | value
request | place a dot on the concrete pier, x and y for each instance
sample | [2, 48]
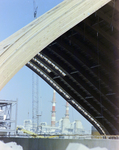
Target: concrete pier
[61, 144]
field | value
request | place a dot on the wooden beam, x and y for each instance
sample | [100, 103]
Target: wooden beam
[111, 21]
[22, 46]
[114, 4]
[94, 42]
[97, 28]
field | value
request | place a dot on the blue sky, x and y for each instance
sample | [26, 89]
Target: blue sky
[15, 14]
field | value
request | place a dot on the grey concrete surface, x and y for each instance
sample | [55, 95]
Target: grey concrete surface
[61, 144]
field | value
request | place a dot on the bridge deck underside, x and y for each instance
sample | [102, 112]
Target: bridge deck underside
[82, 66]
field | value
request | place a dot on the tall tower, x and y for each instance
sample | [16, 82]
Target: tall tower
[35, 102]
[67, 110]
[53, 110]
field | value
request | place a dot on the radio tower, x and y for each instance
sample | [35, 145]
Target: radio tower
[53, 110]
[35, 102]
[67, 110]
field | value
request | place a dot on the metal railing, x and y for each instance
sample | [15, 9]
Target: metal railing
[65, 136]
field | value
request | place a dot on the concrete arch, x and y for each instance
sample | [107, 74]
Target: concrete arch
[22, 46]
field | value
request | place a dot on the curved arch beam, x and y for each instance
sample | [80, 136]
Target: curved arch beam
[22, 46]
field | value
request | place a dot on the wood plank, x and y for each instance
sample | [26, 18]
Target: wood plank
[22, 46]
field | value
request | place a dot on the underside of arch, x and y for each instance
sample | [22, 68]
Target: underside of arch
[82, 66]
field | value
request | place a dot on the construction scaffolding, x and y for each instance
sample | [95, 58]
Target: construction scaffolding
[8, 117]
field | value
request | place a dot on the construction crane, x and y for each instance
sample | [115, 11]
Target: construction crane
[35, 90]
[35, 9]
[35, 102]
